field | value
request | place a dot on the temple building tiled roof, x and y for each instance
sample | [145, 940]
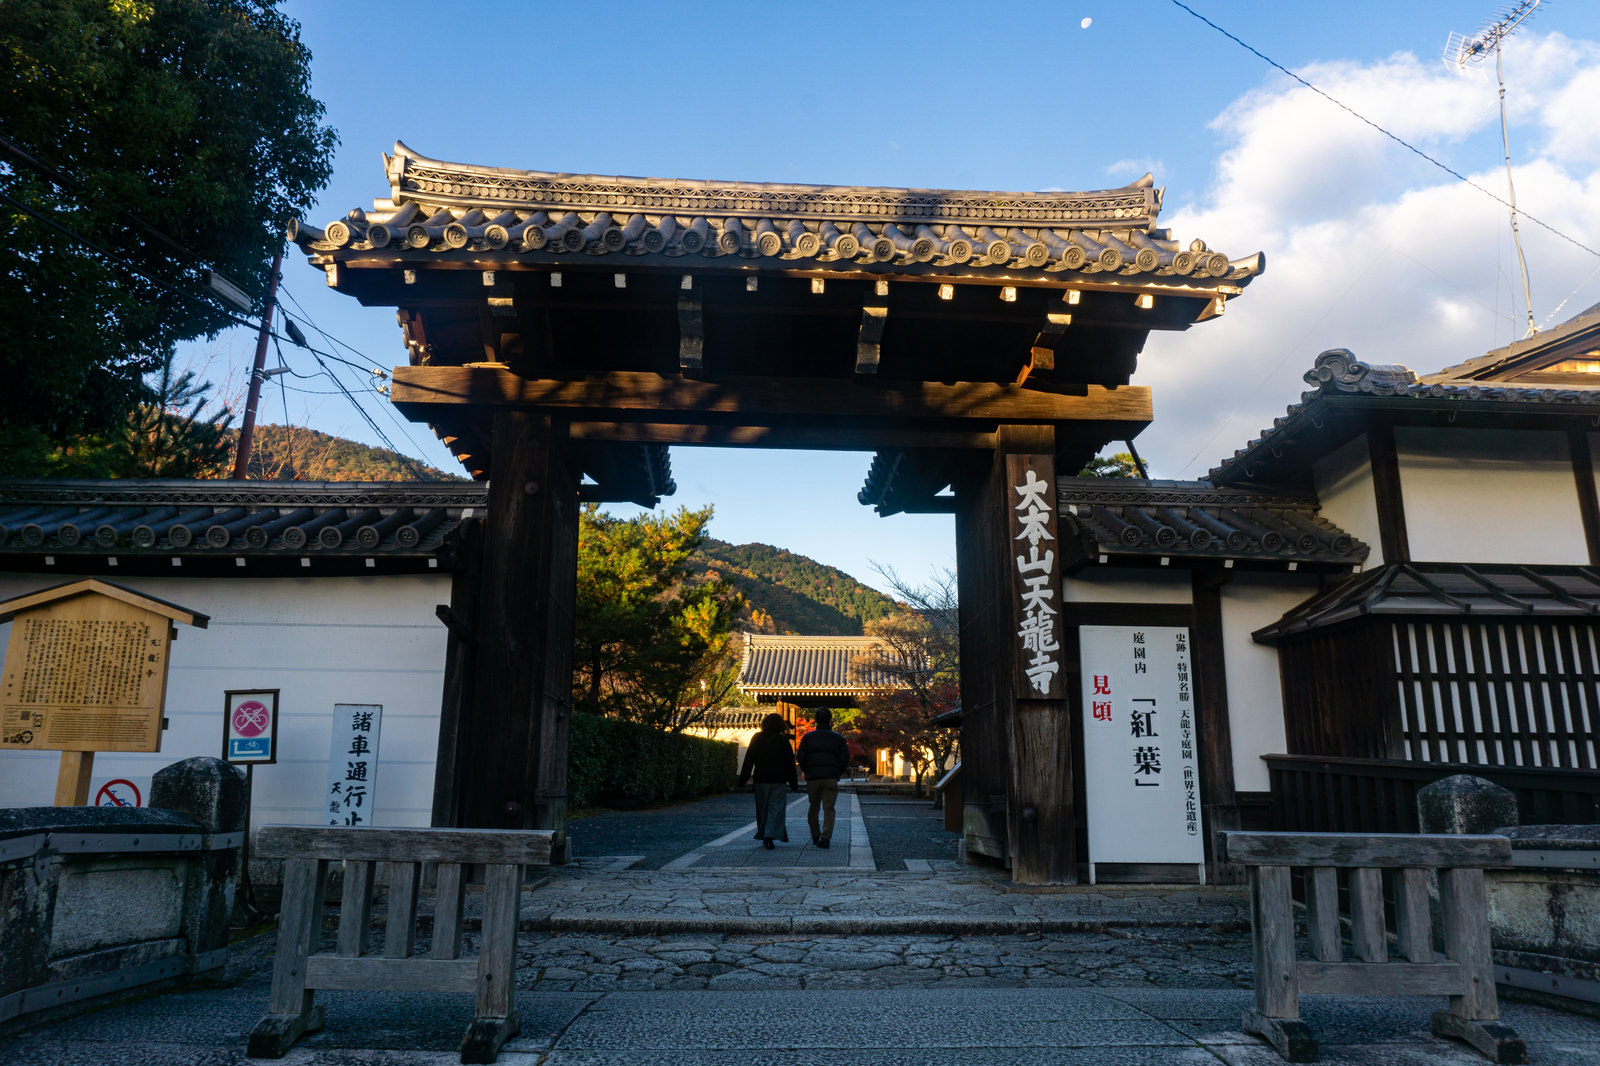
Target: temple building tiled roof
[243, 527]
[1345, 392]
[807, 669]
[1128, 520]
[439, 210]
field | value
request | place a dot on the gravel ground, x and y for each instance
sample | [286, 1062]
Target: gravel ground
[906, 828]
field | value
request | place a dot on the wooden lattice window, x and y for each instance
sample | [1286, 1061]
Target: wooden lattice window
[1501, 693]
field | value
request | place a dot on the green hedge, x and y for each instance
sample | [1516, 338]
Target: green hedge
[623, 765]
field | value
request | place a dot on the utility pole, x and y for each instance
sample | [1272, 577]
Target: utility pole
[247, 430]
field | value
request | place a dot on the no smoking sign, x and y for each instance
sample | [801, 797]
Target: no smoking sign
[250, 733]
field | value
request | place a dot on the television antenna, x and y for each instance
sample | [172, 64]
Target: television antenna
[1463, 54]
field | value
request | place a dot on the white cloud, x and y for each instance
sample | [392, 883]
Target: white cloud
[1370, 248]
[1124, 171]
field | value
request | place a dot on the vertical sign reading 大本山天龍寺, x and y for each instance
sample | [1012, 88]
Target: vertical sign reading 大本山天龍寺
[1035, 576]
[1140, 770]
[352, 764]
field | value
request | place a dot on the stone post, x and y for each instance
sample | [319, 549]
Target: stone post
[211, 793]
[1465, 804]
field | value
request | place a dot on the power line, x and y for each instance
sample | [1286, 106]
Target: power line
[395, 418]
[1398, 140]
[330, 337]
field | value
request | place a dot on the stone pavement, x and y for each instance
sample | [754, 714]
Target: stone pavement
[716, 960]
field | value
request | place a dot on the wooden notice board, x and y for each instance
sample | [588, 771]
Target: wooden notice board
[86, 669]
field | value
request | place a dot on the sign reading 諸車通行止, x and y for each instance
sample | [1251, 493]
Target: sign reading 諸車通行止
[352, 764]
[1140, 770]
[250, 726]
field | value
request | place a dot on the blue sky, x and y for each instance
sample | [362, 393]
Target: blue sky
[1368, 246]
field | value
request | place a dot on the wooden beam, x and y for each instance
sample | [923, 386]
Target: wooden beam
[756, 400]
[818, 438]
[868, 345]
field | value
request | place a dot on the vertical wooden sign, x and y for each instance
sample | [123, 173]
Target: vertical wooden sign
[1035, 565]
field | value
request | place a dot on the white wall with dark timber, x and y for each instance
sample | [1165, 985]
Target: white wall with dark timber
[320, 641]
[1343, 480]
[1490, 496]
[1169, 585]
[1255, 689]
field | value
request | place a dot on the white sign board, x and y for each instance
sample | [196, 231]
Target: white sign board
[352, 764]
[1140, 771]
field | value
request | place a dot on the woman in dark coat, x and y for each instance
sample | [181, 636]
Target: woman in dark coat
[770, 760]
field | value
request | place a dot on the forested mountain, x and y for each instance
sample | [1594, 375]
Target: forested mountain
[791, 593]
[295, 453]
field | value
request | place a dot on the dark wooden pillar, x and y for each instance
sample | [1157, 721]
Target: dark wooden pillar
[1392, 536]
[514, 740]
[1040, 813]
[1588, 502]
[464, 555]
[1219, 800]
[985, 687]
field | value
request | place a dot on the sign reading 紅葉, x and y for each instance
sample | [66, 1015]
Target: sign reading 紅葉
[1036, 576]
[352, 764]
[1140, 770]
[250, 726]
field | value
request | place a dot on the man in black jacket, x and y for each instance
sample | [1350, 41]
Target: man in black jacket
[824, 756]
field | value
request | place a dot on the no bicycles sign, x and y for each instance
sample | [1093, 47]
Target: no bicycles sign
[250, 728]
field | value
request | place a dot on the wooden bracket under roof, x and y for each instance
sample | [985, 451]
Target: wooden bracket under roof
[1042, 355]
[868, 350]
[691, 326]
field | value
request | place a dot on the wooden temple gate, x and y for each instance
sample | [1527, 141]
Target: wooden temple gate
[565, 330]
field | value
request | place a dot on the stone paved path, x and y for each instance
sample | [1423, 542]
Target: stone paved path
[1131, 958]
[848, 847]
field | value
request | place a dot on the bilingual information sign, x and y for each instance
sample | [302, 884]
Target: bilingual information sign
[1140, 769]
[250, 726]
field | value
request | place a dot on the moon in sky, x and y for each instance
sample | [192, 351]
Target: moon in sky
[1085, 23]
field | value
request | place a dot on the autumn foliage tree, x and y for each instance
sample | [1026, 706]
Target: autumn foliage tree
[653, 642]
[914, 675]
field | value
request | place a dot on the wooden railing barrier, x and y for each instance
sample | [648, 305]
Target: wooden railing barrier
[1465, 973]
[300, 968]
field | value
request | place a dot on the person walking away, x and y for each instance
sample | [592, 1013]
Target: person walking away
[824, 757]
[770, 760]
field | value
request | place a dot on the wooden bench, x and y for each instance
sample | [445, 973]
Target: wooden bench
[1465, 973]
[300, 968]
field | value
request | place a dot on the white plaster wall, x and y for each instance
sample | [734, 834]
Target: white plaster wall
[1490, 496]
[1255, 690]
[320, 641]
[1343, 480]
[1154, 585]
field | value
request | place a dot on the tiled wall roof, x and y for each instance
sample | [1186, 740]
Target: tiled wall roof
[234, 518]
[1448, 589]
[1194, 520]
[1338, 374]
